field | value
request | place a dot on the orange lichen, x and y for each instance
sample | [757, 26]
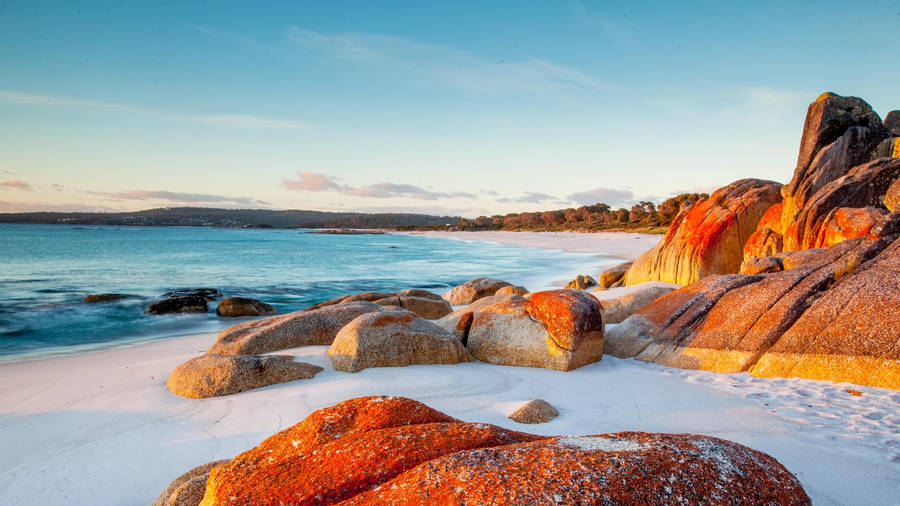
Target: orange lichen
[571, 316]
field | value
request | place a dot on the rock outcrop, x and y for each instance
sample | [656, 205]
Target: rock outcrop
[187, 489]
[581, 282]
[212, 374]
[616, 307]
[240, 306]
[829, 315]
[459, 321]
[300, 328]
[708, 237]
[557, 329]
[534, 411]
[474, 289]
[183, 304]
[393, 338]
[383, 450]
[840, 165]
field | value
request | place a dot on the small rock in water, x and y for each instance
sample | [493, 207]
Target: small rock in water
[581, 282]
[534, 411]
[187, 304]
[240, 306]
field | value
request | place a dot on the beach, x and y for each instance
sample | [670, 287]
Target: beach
[102, 428]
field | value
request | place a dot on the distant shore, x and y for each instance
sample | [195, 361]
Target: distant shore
[609, 244]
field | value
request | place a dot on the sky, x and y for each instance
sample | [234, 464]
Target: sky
[455, 108]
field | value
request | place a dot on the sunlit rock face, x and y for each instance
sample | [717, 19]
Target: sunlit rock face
[709, 237]
[844, 162]
[817, 313]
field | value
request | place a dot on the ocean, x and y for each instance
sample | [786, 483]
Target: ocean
[45, 271]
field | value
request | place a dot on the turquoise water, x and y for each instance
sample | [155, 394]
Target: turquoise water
[45, 270]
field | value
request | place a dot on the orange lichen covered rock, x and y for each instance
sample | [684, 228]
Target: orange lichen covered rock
[383, 450]
[767, 239]
[847, 223]
[620, 468]
[709, 237]
[829, 315]
[556, 329]
[341, 451]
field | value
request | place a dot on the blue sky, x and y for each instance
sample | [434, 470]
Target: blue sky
[442, 107]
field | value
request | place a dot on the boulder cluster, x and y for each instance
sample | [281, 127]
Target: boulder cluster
[393, 450]
[814, 289]
[558, 329]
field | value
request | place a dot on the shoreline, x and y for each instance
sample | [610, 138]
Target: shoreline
[101, 427]
[604, 244]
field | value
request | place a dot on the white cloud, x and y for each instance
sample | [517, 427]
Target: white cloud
[528, 198]
[230, 120]
[16, 184]
[312, 182]
[182, 197]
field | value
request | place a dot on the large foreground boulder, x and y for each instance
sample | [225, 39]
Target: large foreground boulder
[393, 338]
[709, 237]
[240, 306]
[384, 450]
[213, 375]
[556, 329]
[459, 321]
[830, 316]
[300, 328]
[474, 289]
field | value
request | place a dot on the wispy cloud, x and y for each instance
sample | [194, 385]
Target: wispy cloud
[34, 207]
[16, 184]
[446, 65]
[181, 197]
[313, 182]
[611, 196]
[229, 120]
[615, 32]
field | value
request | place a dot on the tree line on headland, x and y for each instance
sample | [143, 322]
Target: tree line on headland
[641, 217]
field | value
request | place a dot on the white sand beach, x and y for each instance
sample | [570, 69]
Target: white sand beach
[102, 428]
[614, 245]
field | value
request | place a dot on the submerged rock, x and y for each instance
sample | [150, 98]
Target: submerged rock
[186, 304]
[300, 328]
[210, 294]
[534, 411]
[393, 338]
[240, 306]
[105, 297]
[474, 289]
[213, 375]
[393, 450]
